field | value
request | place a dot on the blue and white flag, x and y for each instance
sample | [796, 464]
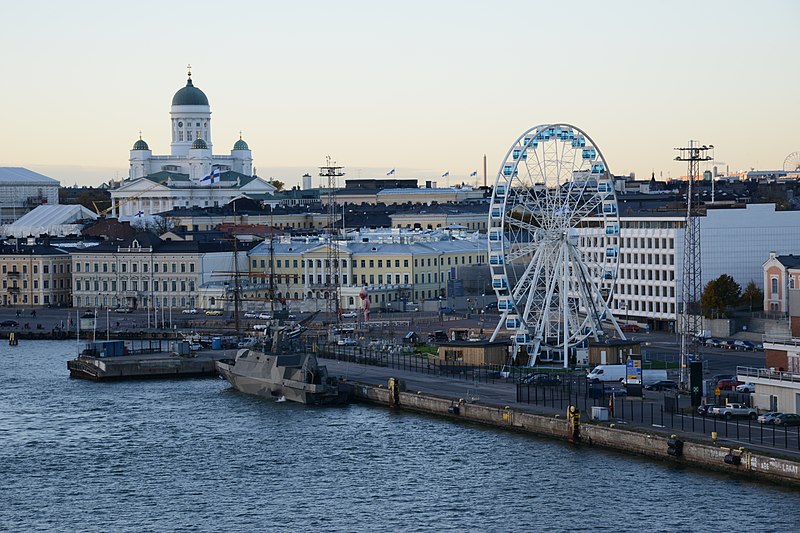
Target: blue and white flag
[390, 173]
[211, 179]
[446, 174]
[473, 174]
[139, 214]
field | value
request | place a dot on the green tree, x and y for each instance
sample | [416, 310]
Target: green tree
[752, 296]
[719, 294]
[278, 185]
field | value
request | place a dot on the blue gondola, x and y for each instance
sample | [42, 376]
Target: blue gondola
[513, 322]
[608, 274]
[500, 191]
[499, 282]
[611, 251]
[496, 259]
[604, 186]
[496, 235]
[589, 153]
[609, 208]
[508, 170]
[612, 229]
[505, 304]
[497, 212]
[579, 142]
[522, 338]
[598, 168]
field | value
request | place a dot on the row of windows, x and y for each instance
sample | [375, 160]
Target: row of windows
[647, 290]
[104, 301]
[57, 284]
[651, 275]
[134, 285]
[14, 299]
[280, 263]
[647, 307]
[104, 267]
[45, 269]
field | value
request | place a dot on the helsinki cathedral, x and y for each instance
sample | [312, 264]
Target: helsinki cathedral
[192, 175]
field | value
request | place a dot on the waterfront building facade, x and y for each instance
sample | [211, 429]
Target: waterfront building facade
[148, 272]
[35, 274]
[395, 272]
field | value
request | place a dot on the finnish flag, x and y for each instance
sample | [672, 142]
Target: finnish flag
[211, 179]
[473, 174]
[446, 174]
[390, 173]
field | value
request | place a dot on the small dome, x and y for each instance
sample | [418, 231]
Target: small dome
[140, 145]
[189, 95]
[240, 145]
[199, 144]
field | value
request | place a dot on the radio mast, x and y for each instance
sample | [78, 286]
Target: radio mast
[691, 313]
[332, 271]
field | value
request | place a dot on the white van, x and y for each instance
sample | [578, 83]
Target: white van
[618, 373]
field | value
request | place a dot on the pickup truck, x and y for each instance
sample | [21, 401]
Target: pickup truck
[734, 409]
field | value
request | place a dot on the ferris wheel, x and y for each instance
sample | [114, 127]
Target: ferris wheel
[553, 242]
[792, 162]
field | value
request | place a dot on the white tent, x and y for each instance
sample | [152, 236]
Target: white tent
[54, 220]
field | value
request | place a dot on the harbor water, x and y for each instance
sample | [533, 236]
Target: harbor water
[195, 455]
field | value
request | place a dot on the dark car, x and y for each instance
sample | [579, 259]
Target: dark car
[705, 409]
[728, 384]
[665, 384]
[9, 324]
[491, 306]
[787, 419]
[712, 342]
[543, 380]
[616, 390]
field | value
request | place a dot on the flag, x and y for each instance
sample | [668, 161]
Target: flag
[390, 173]
[446, 174]
[473, 174]
[211, 179]
[139, 214]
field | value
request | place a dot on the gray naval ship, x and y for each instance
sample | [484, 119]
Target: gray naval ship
[295, 377]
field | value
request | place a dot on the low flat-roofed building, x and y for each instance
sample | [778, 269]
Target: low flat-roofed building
[478, 352]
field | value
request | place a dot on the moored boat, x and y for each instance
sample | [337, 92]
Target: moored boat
[297, 377]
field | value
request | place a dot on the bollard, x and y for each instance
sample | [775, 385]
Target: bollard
[714, 437]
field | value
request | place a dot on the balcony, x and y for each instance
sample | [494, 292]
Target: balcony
[13, 274]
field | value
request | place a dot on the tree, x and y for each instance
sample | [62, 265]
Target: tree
[752, 295]
[156, 224]
[719, 294]
[278, 185]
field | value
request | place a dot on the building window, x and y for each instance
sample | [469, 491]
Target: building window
[774, 287]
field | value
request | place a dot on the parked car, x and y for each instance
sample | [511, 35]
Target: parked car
[347, 341]
[190, 311]
[713, 343]
[9, 324]
[195, 347]
[214, 312]
[260, 327]
[543, 380]
[719, 377]
[615, 390]
[350, 314]
[491, 306]
[768, 418]
[746, 387]
[734, 410]
[787, 419]
[250, 314]
[727, 344]
[663, 385]
[705, 409]
[630, 328]
[728, 384]
[264, 316]
[123, 310]
[744, 345]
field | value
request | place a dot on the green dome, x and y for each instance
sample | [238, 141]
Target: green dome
[199, 144]
[189, 95]
[140, 145]
[240, 145]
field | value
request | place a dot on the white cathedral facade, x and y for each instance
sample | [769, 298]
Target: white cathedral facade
[191, 176]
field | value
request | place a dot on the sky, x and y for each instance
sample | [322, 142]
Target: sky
[425, 87]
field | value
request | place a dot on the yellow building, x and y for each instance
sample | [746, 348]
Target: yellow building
[394, 273]
[35, 275]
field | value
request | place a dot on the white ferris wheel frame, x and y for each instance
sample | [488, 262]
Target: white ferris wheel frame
[571, 301]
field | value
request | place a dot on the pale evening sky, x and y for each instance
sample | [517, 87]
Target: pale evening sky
[421, 86]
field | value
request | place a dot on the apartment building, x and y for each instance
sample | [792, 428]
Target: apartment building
[35, 274]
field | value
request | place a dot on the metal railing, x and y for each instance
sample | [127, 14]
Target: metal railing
[766, 373]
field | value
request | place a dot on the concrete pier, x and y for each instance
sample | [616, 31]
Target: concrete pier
[739, 461]
[144, 366]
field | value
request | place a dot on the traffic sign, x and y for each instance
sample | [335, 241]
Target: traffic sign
[717, 391]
